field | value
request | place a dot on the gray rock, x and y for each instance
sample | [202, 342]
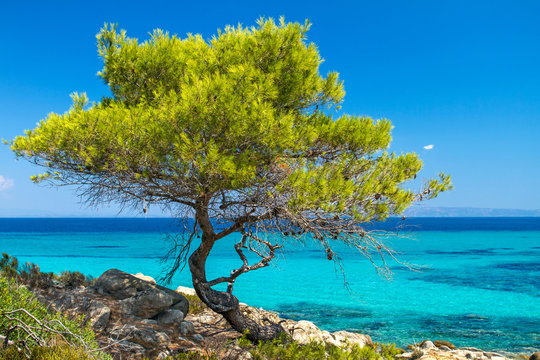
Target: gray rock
[3, 338]
[149, 321]
[144, 336]
[444, 348]
[237, 353]
[535, 356]
[146, 304]
[122, 285]
[145, 277]
[132, 347]
[170, 316]
[163, 355]
[186, 290]
[98, 314]
[182, 305]
[353, 338]
[427, 345]
[198, 337]
[187, 328]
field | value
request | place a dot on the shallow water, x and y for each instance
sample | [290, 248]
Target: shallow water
[477, 288]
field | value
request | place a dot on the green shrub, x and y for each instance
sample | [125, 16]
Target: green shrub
[14, 298]
[9, 266]
[195, 304]
[390, 351]
[195, 356]
[72, 279]
[56, 352]
[31, 275]
[284, 348]
[417, 354]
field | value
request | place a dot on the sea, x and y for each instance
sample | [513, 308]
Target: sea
[475, 281]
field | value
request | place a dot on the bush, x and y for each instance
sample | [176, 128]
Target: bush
[389, 351]
[195, 356]
[72, 279]
[9, 266]
[417, 354]
[284, 348]
[195, 304]
[56, 352]
[32, 276]
[18, 306]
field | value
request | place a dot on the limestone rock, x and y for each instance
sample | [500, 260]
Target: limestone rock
[427, 345]
[237, 353]
[146, 304]
[187, 328]
[186, 290]
[122, 285]
[170, 316]
[144, 336]
[305, 332]
[353, 338]
[145, 277]
[440, 343]
[98, 314]
[163, 355]
[182, 305]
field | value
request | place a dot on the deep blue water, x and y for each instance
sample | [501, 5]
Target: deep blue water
[479, 284]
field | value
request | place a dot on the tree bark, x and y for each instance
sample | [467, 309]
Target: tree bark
[222, 302]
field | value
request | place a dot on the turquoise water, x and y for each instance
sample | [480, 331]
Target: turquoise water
[477, 288]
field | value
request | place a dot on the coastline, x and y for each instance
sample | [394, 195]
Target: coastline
[491, 304]
[206, 330]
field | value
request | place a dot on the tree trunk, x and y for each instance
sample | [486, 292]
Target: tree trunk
[221, 302]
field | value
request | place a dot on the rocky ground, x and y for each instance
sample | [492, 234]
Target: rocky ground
[135, 318]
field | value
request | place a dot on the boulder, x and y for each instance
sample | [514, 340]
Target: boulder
[353, 338]
[146, 304]
[98, 314]
[122, 285]
[187, 328]
[145, 277]
[170, 316]
[182, 306]
[144, 336]
[186, 290]
[426, 344]
[535, 356]
[305, 332]
[441, 343]
[163, 355]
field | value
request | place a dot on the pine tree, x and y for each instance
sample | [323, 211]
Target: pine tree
[238, 130]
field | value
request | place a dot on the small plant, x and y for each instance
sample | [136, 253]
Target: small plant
[72, 279]
[56, 352]
[286, 348]
[389, 351]
[30, 325]
[417, 354]
[32, 276]
[195, 304]
[195, 355]
[9, 266]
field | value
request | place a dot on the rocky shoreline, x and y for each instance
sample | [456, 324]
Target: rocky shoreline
[134, 318]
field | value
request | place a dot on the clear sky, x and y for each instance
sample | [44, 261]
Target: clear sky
[462, 76]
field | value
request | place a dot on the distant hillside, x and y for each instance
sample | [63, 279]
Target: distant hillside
[419, 211]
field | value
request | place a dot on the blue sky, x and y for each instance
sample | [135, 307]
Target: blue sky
[461, 75]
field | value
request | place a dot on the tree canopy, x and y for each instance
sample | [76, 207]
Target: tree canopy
[239, 129]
